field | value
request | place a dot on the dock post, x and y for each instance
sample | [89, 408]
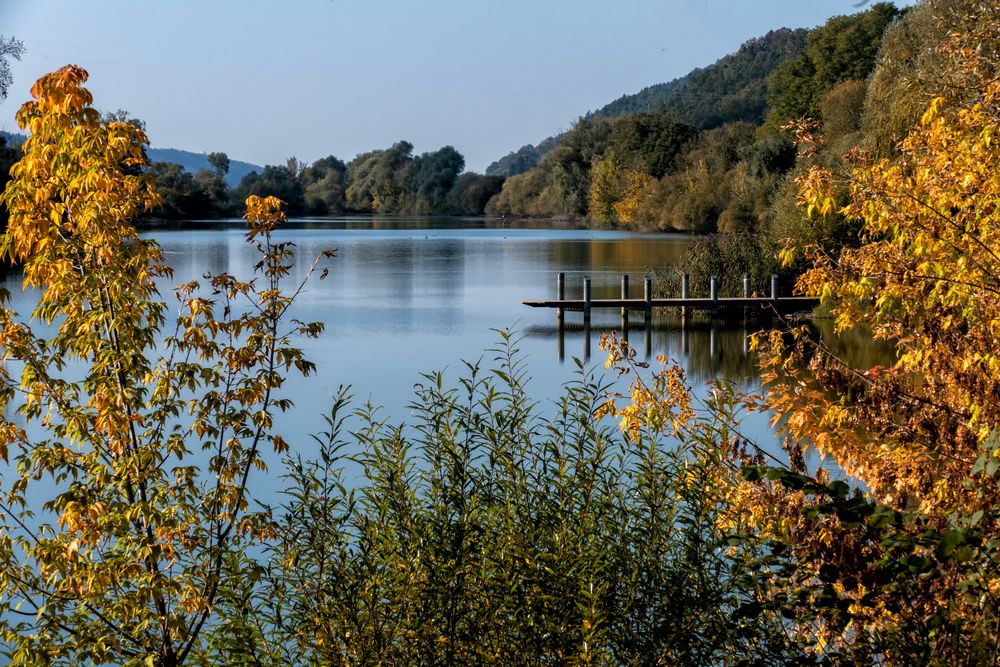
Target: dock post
[647, 296]
[713, 293]
[774, 287]
[560, 296]
[586, 318]
[624, 296]
[625, 308]
[684, 294]
[746, 295]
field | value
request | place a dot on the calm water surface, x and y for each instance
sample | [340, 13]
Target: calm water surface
[412, 296]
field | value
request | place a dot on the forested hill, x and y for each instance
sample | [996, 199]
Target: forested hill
[707, 154]
[732, 89]
[524, 158]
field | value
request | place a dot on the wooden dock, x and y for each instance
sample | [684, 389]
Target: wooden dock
[713, 304]
[749, 306]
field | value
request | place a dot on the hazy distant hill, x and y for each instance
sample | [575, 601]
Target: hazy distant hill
[732, 89]
[190, 161]
[12, 138]
[194, 161]
[523, 159]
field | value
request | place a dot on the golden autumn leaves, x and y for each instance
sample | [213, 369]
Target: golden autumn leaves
[662, 406]
[73, 183]
[926, 278]
[143, 537]
[919, 437]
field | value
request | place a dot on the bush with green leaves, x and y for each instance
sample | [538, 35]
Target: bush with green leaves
[493, 530]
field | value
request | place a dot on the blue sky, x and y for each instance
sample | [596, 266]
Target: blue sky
[267, 79]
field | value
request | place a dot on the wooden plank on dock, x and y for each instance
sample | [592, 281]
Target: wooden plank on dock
[721, 303]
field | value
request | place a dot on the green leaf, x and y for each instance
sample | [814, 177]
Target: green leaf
[949, 542]
[839, 488]
[776, 474]
[992, 466]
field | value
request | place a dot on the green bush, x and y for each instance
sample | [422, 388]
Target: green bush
[488, 532]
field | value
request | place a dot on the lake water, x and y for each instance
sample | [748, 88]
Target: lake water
[411, 296]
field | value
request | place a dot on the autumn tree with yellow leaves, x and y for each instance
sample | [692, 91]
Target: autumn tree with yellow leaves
[897, 562]
[141, 440]
[905, 569]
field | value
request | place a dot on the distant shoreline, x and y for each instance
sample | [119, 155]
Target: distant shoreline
[489, 220]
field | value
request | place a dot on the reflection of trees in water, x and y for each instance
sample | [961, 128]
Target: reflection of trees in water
[720, 349]
[855, 347]
[605, 260]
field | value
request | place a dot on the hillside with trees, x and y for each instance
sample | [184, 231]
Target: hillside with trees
[732, 89]
[727, 174]
[738, 180]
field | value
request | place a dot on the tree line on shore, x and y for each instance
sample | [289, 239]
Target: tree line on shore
[656, 160]
[389, 181]
[705, 154]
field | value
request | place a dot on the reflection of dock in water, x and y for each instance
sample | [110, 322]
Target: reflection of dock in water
[739, 311]
[710, 347]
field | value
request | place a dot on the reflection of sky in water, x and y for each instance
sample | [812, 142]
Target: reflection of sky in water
[401, 302]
